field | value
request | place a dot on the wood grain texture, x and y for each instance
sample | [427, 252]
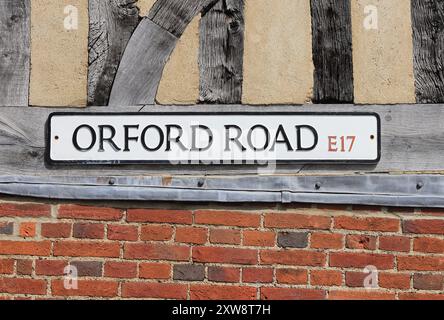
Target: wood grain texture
[14, 52]
[412, 141]
[111, 24]
[332, 51]
[150, 47]
[175, 15]
[428, 48]
[221, 53]
[142, 65]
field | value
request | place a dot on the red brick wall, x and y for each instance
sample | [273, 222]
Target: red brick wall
[236, 252]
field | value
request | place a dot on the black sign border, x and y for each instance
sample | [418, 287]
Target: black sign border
[49, 161]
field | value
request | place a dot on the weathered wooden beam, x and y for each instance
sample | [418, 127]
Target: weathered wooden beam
[221, 53]
[412, 141]
[14, 52]
[111, 24]
[428, 48]
[175, 15]
[332, 51]
[149, 49]
[142, 65]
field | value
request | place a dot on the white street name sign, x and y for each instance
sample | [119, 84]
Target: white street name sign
[212, 138]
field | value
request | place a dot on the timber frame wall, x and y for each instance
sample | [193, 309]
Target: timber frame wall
[409, 173]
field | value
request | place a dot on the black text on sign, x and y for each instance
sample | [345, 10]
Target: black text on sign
[222, 138]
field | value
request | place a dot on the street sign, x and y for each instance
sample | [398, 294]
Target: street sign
[212, 138]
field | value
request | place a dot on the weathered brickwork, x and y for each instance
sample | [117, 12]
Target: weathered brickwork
[221, 252]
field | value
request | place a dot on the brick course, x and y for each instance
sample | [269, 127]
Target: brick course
[305, 252]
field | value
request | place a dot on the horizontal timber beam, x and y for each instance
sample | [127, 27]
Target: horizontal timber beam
[410, 173]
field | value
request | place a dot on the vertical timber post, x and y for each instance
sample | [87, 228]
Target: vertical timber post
[428, 50]
[221, 53]
[111, 26]
[14, 52]
[332, 51]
